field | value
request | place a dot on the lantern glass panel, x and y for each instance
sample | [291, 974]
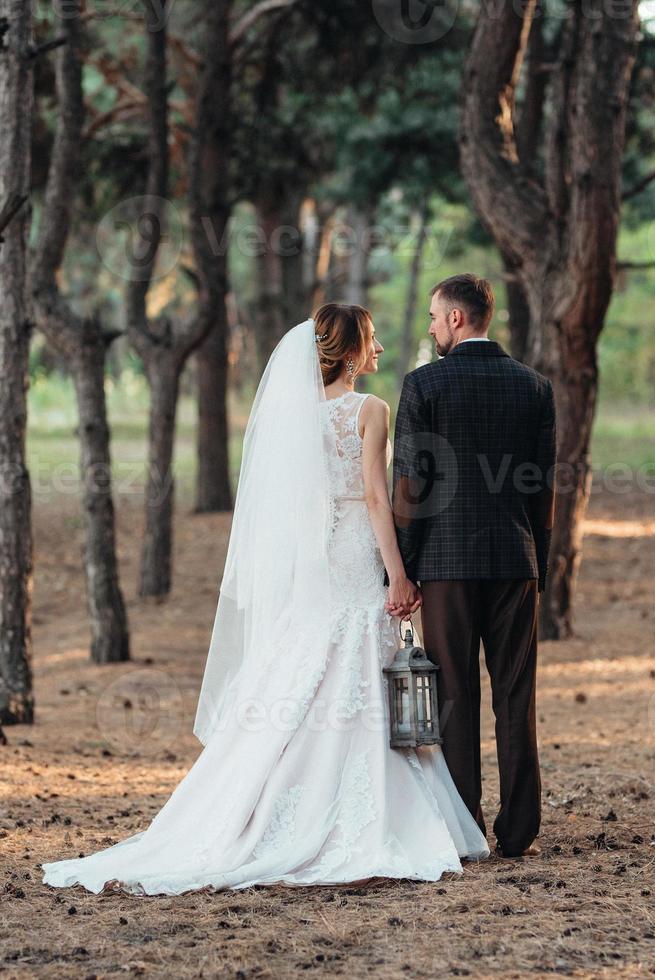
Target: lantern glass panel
[401, 687]
[425, 713]
[420, 699]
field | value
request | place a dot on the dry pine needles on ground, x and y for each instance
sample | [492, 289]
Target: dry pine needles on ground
[89, 773]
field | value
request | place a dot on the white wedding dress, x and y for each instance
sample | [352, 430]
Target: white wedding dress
[337, 804]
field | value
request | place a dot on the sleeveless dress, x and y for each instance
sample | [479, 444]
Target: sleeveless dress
[339, 804]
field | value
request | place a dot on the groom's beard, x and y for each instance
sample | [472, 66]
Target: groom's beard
[447, 346]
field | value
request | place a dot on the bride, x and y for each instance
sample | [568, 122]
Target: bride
[297, 783]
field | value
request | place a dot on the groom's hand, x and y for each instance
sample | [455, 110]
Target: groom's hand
[404, 598]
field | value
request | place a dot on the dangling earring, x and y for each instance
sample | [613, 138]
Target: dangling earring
[350, 366]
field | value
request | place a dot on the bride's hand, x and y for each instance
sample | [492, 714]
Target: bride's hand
[404, 598]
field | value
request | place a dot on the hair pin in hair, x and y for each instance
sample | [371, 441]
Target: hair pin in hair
[317, 337]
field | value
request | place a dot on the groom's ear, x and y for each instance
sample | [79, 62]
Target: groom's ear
[457, 317]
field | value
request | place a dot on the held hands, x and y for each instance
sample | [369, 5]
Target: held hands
[403, 599]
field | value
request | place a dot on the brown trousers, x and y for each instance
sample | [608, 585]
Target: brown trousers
[456, 615]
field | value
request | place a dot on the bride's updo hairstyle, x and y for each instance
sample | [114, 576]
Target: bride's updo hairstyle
[343, 331]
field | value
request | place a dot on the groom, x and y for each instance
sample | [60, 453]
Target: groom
[473, 504]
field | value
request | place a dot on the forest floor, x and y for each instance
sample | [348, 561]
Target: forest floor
[104, 756]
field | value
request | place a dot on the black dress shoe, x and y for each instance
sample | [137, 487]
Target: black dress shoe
[532, 851]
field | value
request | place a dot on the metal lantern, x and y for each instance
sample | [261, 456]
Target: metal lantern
[413, 708]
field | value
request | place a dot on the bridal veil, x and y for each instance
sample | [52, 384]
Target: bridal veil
[274, 601]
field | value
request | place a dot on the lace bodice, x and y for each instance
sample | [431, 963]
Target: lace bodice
[346, 473]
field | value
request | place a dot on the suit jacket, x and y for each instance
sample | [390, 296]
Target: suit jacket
[473, 468]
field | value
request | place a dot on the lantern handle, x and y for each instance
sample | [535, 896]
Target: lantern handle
[400, 629]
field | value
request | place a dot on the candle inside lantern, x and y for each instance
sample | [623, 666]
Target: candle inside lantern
[405, 709]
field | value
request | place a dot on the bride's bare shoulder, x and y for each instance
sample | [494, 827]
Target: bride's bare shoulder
[374, 410]
[374, 405]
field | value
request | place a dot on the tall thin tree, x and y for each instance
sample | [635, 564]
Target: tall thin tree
[210, 187]
[165, 344]
[80, 340]
[407, 351]
[16, 98]
[529, 122]
[560, 233]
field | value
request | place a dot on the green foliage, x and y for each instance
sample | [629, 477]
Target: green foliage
[404, 137]
[639, 160]
[448, 250]
[326, 104]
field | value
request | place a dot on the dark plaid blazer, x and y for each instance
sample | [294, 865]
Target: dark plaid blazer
[473, 468]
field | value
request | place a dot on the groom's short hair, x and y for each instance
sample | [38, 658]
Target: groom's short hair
[473, 294]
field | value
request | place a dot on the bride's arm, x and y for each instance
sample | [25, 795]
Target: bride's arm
[404, 597]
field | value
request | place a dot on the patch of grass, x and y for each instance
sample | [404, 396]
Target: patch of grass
[53, 446]
[624, 435]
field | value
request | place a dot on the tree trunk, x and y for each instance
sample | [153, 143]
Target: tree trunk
[530, 119]
[565, 349]
[311, 250]
[213, 491]
[576, 391]
[270, 307]
[281, 302]
[344, 270]
[518, 309]
[213, 198]
[165, 345]
[559, 237]
[528, 133]
[349, 241]
[407, 342]
[321, 239]
[359, 240]
[83, 346]
[109, 631]
[156, 556]
[16, 99]
[297, 295]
